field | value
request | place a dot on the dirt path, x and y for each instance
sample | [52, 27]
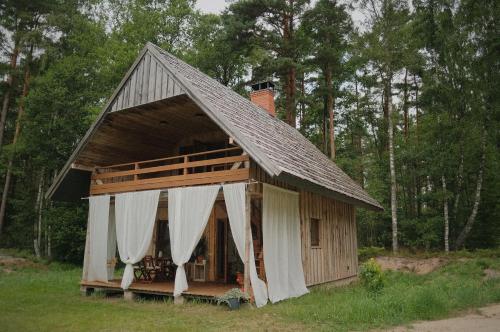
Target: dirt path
[486, 319]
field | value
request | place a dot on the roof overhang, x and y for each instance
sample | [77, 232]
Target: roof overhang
[72, 187]
[320, 190]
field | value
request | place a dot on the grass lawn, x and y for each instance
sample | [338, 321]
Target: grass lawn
[47, 298]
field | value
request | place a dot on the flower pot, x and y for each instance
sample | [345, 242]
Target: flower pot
[240, 279]
[233, 304]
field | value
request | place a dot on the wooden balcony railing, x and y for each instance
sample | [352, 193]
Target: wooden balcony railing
[216, 166]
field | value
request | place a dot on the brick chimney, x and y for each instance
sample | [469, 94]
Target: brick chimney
[263, 95]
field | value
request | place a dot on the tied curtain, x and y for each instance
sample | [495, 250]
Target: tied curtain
[96, 254]
[282, 244]
[234, 195]
[188, 212]
[135, 219]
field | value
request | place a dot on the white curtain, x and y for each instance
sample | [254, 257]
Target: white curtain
[135, 219]
[188, 212]
[282, 244]
[94, 266]
[234, 195]
[111, 259]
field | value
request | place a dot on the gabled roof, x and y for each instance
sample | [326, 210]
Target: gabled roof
[277, 147]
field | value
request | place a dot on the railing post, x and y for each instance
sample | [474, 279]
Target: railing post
[185, 165]
[136, 167]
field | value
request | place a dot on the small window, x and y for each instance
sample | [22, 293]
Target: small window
[315, 232]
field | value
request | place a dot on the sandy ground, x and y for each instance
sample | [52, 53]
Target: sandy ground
[9, 263]
[410, 264]
[486, 319]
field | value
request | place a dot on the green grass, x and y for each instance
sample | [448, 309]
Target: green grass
[47, 298]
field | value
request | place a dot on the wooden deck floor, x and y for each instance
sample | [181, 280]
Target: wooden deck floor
[196, 289]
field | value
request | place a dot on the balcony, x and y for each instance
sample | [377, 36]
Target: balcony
[208, 167]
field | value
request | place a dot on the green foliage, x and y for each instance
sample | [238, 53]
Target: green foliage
[234, 293]
[366, 253]
[371, 276]
[68, 225]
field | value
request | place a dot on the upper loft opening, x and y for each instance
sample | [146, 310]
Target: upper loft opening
[155, 130]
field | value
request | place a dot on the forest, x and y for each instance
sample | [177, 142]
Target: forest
[402, 95]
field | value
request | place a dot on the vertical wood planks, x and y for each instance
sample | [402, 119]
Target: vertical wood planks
[149, 81]
[336, 257]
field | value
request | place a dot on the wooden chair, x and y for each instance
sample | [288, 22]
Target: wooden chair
[151, 270]
[166, 269]
[139, 271]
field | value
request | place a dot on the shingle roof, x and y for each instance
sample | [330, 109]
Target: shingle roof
[275, 145]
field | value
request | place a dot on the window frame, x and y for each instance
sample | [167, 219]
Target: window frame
[316, 244]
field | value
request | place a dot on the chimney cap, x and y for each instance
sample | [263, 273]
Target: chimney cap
[263, 85]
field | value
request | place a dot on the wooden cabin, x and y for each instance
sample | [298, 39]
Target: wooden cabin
[168, 125]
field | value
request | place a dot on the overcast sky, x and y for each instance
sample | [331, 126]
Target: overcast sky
[211, 6]
[216, 6]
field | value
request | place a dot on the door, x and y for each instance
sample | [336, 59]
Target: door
[221, 249]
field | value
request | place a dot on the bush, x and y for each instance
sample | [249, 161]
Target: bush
[366, 253]
[371, 276]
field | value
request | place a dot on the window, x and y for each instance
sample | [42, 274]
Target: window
[315, 236]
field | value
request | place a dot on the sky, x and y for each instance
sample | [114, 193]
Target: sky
[211, 6]
[217, 6]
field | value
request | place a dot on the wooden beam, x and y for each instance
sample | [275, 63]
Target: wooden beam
[82, 167]
[173, 181]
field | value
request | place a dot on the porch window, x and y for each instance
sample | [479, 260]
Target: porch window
[315, 236]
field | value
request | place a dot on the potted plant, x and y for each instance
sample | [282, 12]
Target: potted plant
[200, 250]
[233, 298]
[240, 279]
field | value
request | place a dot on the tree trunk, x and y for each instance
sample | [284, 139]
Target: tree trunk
[405, 106]
[446, 219]
[290, 97]
[290, 79]
[38, 223]
[8, 177]
[417, 188]
[385, 124]
[302, 103]
[392, 168]
[472, 218]
[330, 105]
[460, 178]
[6, 97]
[417, 111]
[359, 143]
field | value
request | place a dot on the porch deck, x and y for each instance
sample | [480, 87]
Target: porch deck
[205, 290]
[215, 166]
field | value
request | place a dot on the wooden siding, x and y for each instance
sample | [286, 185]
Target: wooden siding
[336, 257]
[148, 82]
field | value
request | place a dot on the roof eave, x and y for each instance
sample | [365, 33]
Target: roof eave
[321, 190]
[64, 171]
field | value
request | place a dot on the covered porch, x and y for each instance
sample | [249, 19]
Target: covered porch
[199, 290]
[215, 265]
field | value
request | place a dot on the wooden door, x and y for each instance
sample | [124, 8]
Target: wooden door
[221, 249]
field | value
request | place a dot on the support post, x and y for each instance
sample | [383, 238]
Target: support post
[86, 291]
[248, 235]
[179, 299]
[129, 295]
